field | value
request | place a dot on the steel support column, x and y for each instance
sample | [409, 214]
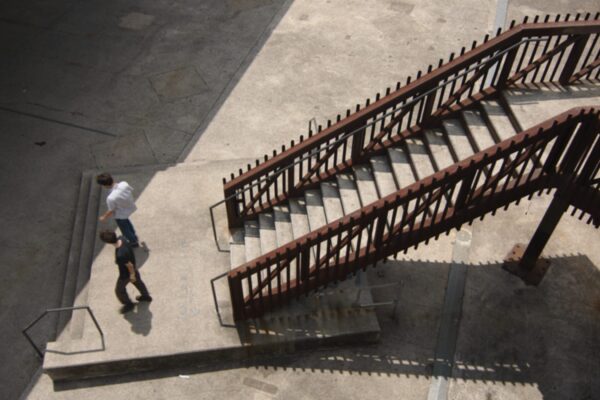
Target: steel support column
[526, 262]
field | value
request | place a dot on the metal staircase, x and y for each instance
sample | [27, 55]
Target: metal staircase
[421, 160]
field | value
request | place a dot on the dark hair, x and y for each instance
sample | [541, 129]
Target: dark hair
[108, 236]
[104, 179]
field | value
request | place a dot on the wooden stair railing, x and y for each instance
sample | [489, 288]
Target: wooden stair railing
[562, 153]
[528, 53]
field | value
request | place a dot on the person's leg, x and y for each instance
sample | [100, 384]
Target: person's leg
[121, 292]
[127, 230]
[141, 286]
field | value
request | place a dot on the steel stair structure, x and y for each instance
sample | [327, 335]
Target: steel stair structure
[415, 163]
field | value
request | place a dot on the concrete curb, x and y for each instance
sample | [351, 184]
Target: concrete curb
[73, 261]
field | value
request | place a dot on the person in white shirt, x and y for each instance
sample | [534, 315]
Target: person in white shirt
[120, 204]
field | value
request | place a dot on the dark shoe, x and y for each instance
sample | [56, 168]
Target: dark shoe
[126, 308]
[144, 298]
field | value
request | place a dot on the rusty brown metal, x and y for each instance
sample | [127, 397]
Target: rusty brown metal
[270, 281]
[532, 274]
[265, 182]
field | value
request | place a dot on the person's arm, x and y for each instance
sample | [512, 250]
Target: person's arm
[131, 269]
[107, 214]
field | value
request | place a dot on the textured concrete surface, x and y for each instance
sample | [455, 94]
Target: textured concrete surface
[532, 105]
[99, 84]
[177, 262]
[327, 56]
[517, 341]
[95, 84]
[398, 366]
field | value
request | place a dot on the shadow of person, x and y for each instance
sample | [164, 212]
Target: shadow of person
[140, 319]
[142, 254]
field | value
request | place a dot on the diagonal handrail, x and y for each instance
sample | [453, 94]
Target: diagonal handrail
[573, 166]
[499, 50]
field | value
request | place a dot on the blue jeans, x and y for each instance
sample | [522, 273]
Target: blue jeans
[127, 230]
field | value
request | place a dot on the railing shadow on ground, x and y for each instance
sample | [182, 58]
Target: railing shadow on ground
[510, 333]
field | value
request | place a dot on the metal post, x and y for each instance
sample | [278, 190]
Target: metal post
[525, 262]
[237, 297]
[506, 68]
[233, 219]
[358, 142]
[571, 63]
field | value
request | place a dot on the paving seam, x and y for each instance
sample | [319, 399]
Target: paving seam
[450, 319]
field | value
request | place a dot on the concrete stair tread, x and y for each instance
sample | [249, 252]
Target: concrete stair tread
[499, 119]
[86, 257]
[478, 128]
[332, 201]
[268, 236]
[237, 254]
[439, 148]
[401, 166]
[315, 209]
[420, 157]
[384, 177]
[458, 138]
[252, 240]
[348, 193]
[298, 217]
[237, 248]
[73, 265]
[365, 183]
[283, 224]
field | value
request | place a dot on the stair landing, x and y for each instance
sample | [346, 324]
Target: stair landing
[533, 104]
[181, 324]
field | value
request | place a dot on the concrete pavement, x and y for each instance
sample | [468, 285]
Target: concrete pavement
[84, 82]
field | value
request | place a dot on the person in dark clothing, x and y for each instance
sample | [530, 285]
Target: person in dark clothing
[128, 273]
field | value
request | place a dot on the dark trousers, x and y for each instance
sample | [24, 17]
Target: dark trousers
[121, 292]
[127, 230]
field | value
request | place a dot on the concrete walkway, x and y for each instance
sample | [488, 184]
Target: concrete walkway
[74, 71]
[177, 263]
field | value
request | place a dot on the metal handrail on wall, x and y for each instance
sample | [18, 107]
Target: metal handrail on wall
[58, 310]
[516, 60]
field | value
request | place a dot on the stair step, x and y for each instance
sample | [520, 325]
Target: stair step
[365, 182]
[283, 225]
[348, 193]
[268, 236]
[237, 254]
[332, 201]
[252, 240]
[315, 209]
[237, 248]
[384, 177]
[86, 259]
[499, 119]
[478, 128]
[72, 269]
[458, 138]
[298, 217]
[420, 157]
[439, 148]
[401, 166]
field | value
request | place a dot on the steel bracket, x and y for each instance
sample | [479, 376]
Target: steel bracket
[530, 274]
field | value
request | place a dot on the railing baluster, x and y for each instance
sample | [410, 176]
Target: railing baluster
[568, 48]
[288, 270]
